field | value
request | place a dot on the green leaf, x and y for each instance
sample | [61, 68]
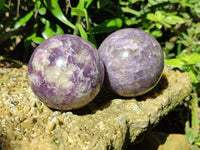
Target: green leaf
[151, 17]
[190, 135]
[77, 12]
[88, 2]
[159, 25]
[194, 58]
[132, 21]
[81, 4]
[54, 8]
[156, 33]
[58, 30]
[2, 2]
[186, 15]
[23, 20]
[42, 11]
[38, 40]
[47, 33]
[82, 32]
[193, 76]
[184, 57]
[132, 1]
[169, 45]
[197, 9]
[28, 40]
[174, 62]
[37, 4]
[159, 15]
[197, 141]
[50, 29]
[173, 20]
[107, 26]
[166, 24]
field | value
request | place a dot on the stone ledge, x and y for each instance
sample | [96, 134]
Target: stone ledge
[108, 122]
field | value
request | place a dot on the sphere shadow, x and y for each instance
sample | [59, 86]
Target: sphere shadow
[156, 91]
[100, 102]
[105, 96]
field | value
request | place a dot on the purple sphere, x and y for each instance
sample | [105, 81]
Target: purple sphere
[65, 72]
[133, 61]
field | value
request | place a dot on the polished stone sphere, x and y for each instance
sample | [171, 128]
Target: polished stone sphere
[65, 72]
[133, 61]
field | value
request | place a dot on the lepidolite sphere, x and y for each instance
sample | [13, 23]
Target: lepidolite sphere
[133, 61]
[65, 72]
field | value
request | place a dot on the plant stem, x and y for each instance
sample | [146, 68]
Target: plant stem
[131, 11]
[91, 35]
[78, 21]
[79, 18]
[194, 113]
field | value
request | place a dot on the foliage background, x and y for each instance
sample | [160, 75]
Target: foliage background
[174, 23]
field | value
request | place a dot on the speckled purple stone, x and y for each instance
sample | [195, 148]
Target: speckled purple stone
[133, 61]
[65, 72]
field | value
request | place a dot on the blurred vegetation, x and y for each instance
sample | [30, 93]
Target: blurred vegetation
[174, 23]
